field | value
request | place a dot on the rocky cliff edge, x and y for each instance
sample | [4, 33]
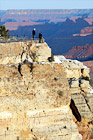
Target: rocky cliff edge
[39, 100]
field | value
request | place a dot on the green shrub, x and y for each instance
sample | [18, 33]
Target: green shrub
[51, 59]
[60, 93]
[4, 32]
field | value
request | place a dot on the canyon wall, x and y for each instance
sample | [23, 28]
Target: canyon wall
[37, 101]
[84, 52]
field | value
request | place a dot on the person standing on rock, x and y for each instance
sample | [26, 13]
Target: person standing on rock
[33, 33]
[40, 37]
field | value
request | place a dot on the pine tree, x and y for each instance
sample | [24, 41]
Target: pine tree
[4, 32]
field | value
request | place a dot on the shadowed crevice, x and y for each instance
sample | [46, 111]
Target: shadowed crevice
[75, 111]
[19, 69]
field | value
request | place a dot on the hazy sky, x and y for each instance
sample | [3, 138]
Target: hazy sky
[46, 4]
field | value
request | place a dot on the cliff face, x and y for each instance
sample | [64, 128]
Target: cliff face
[15, 52]
[31, 105]
[37, 105]
[90, 65]
[87, 30]
[36, 99]
[80, 52]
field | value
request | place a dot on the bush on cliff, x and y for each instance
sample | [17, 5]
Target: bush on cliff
[51, 59]
[4, 32]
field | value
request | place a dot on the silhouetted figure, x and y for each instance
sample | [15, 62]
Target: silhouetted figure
[40, 37]
[33, 33]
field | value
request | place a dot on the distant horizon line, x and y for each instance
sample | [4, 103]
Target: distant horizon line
[50, 9]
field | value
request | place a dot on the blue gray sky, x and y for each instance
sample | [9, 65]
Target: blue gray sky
[46, 4]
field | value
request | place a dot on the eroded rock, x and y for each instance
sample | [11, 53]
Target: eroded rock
[35, 95]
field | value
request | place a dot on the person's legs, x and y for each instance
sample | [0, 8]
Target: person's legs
[39, 40]
[33, 37]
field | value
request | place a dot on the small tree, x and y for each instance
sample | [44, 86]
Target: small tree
[4, 32]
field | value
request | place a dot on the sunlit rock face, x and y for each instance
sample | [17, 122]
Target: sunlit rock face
[14, 52]
[35, 105]
[36, 95]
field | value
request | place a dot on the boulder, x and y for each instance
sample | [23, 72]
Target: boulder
[41, 52]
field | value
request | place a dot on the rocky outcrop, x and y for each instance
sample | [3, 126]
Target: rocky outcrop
[75, 69]
[84, 104]
[83, 114]
[81, 52]
[80, 86]
[36, 98]
[89, 64]
[15, 52]
[35, 106]
[87, 30]
[81, 96]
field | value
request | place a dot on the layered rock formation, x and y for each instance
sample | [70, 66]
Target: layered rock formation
[84, 52]
[37, 105]
[87, 30]
[15, 52]
[14, 18]
[36, 99]
[90, 65]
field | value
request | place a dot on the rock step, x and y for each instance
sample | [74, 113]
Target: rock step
[84, 107]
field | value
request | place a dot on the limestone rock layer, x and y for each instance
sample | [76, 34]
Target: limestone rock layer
[36, 95]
